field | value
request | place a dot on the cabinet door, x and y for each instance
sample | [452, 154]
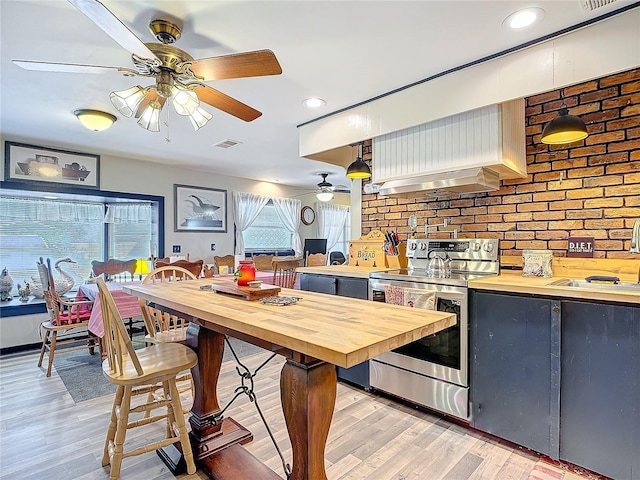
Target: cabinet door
[352, 287]
[600, 402]
[318, 283]
[514, 389]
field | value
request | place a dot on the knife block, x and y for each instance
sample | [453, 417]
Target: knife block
[400, 260]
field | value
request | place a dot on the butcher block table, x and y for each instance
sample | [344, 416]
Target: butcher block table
[314, 334]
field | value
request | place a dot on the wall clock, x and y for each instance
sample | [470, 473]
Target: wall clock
[307, 215]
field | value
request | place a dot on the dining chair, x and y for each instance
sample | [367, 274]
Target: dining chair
[165, 327]
[194, 266]
[284, 273]
[134, 372]
[67, 318]
[225, 261]
[263, 263]
[316, 260]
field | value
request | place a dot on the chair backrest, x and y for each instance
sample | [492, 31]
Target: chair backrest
[48, 288]
[157, 320]
[116, 341]
[284, 273]
[226, 261]
[113, 267]
[337, 258]
[194, 267]
[263, 263]
[316, 259]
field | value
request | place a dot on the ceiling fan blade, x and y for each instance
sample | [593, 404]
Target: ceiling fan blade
[239, 65]
[71, 68]
[112, 26]
[148, 98]
[227, 104]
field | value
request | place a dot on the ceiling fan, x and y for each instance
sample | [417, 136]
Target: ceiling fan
[178, 76]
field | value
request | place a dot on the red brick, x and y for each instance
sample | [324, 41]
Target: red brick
[623, 123]
[539, 167]
[546, 196]
[532, 110]
[585, 172]
[617, 79]
[559, 244]
[609, 158]
[533, 226]
[383, 210]
[551, 235]
[531, 130]
[461, 220]
[581, 88]
[517, 181]
[590, 233]
[599, 95]
[531, 187]
[622, 212]
[565, 184]
[602, 181]
[630, 87]
[584, 193]
[630, 111]
[518, 217]
[474, 211]
[516, 198]
[543, 98]
[603, 224]
[543, 177]
[583, 109]
[632, 201]
[633, 133]
[565, 205]
[502, 209]
[587, 151]
[605, 137]
[632, 178]
[567, 102]
[555, 215]
[628, 145]
[565, 224]
[608, 245]
[573, 163]
[600, 116]
[531, 245]
[532, 207]
[622, 190]
[513, 235]
[617, 102]
[501, 227]
[603, 202]
[462, 202]
[398, 208]
[577, 214]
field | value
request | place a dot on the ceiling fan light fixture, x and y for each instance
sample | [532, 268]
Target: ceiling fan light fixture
[150, 118]
[185, 101]
[94, 119]
[324, 196]
[563, 129]
[199, 118]
[127, 101]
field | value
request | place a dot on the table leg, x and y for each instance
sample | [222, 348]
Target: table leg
[308, 393]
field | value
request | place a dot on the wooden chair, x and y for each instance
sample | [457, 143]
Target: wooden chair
[128, 368]
[263, 263]
[194, 267]
[66, 317]
[226, 261]
[284, 273]
[113, 268]
[316, 260]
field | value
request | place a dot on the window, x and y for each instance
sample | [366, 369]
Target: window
[32, 226]
[267, 232]
[342, 245]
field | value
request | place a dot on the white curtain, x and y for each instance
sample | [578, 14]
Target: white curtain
[331, 221]
[289, 212]
[27, 209]
[128, 213]
[246, 208]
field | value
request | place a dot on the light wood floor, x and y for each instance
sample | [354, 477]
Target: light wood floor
[45, 435]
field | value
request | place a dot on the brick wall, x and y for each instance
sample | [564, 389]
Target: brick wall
[589, 188]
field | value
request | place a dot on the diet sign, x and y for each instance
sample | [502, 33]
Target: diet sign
[580, 247]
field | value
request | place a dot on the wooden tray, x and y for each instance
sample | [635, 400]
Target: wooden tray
[248, 293]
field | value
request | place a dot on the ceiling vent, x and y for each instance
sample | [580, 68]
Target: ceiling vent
[227, 143]
[591, 5]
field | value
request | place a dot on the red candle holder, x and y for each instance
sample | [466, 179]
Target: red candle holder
[246, 272]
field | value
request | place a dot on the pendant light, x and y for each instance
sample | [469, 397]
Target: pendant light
[564, 128]
[359, 169]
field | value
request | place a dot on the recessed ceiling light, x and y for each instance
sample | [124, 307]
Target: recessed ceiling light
[523, 18]
[313, 102]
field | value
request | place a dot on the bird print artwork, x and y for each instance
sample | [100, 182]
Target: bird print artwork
[203, 211]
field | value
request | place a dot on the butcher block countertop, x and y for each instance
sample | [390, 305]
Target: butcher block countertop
[339, 330]
[514, 282]
[342, 270]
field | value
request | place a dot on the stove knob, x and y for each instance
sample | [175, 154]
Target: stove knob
[475, 247]
[422, 246]
[488, 247]
[412, 245]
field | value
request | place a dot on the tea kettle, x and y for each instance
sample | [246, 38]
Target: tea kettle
[437, 266]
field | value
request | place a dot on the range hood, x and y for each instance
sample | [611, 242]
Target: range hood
[469, 180]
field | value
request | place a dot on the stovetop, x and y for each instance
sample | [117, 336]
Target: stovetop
[418, 275]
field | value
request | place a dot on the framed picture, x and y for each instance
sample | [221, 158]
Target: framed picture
[30, 163]
[199, 209]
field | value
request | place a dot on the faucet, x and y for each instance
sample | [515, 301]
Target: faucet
[635, 242]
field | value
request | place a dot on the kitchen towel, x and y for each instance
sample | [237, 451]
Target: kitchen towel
[419, 298]
[394, 295]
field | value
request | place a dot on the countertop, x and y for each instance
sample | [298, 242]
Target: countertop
[342, 270]
[514, 282]
[339, 330]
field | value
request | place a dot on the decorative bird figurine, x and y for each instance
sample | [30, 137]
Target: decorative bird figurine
[6, 284]
[63, 283]
[203, 209]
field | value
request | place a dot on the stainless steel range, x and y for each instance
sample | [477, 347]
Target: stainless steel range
[433, 371]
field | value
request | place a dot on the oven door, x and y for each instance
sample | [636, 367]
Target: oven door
[443, 355]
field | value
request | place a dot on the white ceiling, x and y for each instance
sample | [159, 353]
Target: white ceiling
[343, 51]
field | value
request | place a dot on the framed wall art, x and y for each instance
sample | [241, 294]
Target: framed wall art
[199, 209]
[30, 163]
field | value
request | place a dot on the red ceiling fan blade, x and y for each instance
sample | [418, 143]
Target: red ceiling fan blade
[226, 103]
[239, 65]
[112, 26]
[71, 68]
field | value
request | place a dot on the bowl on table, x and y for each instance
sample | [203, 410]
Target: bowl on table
[255, 283]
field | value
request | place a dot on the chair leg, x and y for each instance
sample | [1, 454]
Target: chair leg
[44, 347]
[171, 412]
[52, 351]
[113, 424]
[121, 432]
[182, 429]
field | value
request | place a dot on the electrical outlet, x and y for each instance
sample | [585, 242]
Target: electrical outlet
[213, 247]
[176, 249]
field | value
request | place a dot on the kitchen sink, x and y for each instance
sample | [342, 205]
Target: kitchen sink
[611, 287]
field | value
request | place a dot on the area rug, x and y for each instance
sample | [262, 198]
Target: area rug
[82, 376]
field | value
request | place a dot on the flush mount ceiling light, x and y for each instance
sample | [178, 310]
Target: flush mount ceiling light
[359, 169]
[313, 102]
[523, 18]
[94, 119]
